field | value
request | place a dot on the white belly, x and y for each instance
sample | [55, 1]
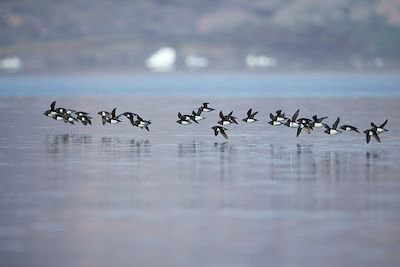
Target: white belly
[251, 120]
[294, 125]
[333, 131]
[185, 122]
[318, 125]
[280, 119]
[198, 118]
[226, 122]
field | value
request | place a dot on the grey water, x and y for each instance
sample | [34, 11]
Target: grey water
[116, 195]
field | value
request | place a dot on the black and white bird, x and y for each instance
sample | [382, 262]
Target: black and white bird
[141, 123]
[52, 111]
[197, 115]
[105, 115]
[205, 107]
[183, 119]
[372, 132]
[280, 116]
[292, 123]
[333, 130]
[275, 120]
[227, 119]
[304, 126]
[380, 128]
[250, 116]
[114, 118]
[349, 128]
[84, 119]
[317, 122]
[82, 113]
[221, 130]
[305, 121]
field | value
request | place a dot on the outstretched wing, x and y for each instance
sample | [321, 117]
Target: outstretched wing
[374, 125]
[249, 113]
[221, 115]
[368, 137]
[375, 134]
[53, 105]
[298, 131]
[383, 124]
[336, 123]
[113, 112]
[327, 126]
[215, 130]
[272, 116]
[224, 134]
[294, 117]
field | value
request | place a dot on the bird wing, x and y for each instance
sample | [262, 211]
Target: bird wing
[327, 126]
[249, 113]
[334, 126]
[294, 117]
[298, 131]
[221, 115]
[53, 105]
[368, 137]
[215, 130]
[224, 134]
[113, 112]
[375, 134]
[383, 124]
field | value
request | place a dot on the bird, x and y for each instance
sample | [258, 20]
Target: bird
[220, 129]
[250, 116]
[274, 120]
[105, 115]
[205, 107]
[304, 126]
[372, 132]
[227, 119]
[304, 120]
[197, 115]
[333, 130]
[291, 123]
[84, 119]
[183, 119]
[130, 116]
[113, 119]
[349, 128]
[51, 112]
[317, 123]
[280, 116]
[82, 113]
[381, 128]
[141, 123]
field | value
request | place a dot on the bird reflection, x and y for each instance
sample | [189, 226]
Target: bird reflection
[56, 143]
[120, 144]
[375, 162]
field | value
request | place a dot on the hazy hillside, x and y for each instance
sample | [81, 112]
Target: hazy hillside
[120, 34]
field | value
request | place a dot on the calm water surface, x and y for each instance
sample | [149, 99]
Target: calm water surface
[72, 195]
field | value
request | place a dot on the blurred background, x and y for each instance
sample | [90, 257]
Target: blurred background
[185, 35]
